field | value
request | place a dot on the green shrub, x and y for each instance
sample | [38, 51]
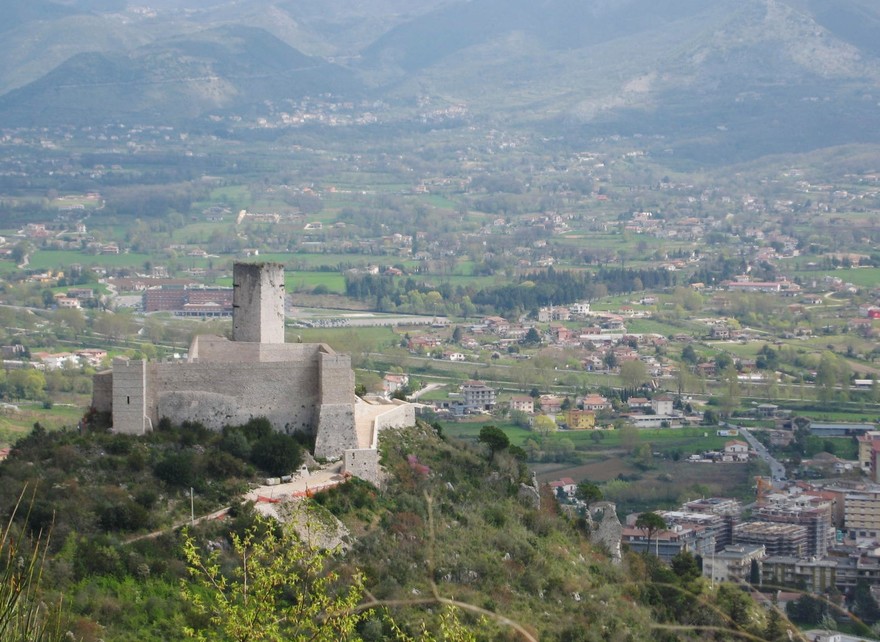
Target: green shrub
[177, 469]
[235, 443]
[257, 428]
[277, 454]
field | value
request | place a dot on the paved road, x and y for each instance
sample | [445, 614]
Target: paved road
[423, 391]
[777, 470]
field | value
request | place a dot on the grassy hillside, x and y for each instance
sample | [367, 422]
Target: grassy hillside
[449, 526]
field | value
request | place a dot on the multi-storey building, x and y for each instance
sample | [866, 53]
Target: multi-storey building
[810, 511]
[734, 563]
[522, 403]
[476, 395]
[866, 443]
[668, 543]
[862, 514]
[778, 539]
[816, 576]
[729, 510]
[711, 524]
[210, 301]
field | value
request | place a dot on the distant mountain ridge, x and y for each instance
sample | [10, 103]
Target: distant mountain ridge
[17, 13]
[738, 78]
[183, 77]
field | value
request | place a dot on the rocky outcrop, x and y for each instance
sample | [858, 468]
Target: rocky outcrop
[606, 529]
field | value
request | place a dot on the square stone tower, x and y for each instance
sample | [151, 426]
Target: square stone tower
[258, 302]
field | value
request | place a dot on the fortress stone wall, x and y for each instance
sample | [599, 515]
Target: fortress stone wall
[298, 387]
[401, 416]
[363, 460]
[102, 391]
[284, 393]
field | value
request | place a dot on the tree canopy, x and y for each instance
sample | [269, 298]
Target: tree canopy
[494, 438]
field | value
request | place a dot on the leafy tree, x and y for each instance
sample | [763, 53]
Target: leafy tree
[830, 373]
[494, 438]
[767, 359]
[807, 609]
[634, 373]
[685, 566]
[519, 418]
[20, 250]
[774, 631]
[543, 425]
[689, 355]
[26, 383]
[730, 391]
[257, 428]
[610, 360]
[532, 338]
[177, 469]
[865, 606]
[735, 603]
[589, 493]
[278, 589]
[72, 319]
[754, 573]
[651, 522]
[629, 437]
[723, 361]
[518, 453]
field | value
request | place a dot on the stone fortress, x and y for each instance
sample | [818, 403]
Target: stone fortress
[298, 387]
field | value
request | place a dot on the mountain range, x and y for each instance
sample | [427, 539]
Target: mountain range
[730, 79]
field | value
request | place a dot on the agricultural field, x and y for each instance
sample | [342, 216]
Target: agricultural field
[17, 420]
[666, 441]
[62, 259]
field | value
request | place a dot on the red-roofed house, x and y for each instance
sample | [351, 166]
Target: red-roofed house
[566, 484]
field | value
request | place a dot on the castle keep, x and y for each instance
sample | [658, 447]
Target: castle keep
[299, 387]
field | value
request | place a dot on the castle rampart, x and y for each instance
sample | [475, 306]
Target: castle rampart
[298, 387]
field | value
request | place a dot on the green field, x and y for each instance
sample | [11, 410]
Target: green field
[17, 423]
[687, 440]
[307, 281]
[7, 267]
[650, 326]
[199, 232]
[348, 339]
[60, 259]
[843, 447]
[862, 277]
